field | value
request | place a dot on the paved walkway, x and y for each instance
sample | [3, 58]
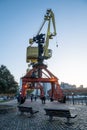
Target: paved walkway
[15, 121]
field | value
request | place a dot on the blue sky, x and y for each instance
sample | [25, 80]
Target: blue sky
[21, 20]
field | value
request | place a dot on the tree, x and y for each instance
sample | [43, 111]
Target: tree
[7, 82]
[30, 91]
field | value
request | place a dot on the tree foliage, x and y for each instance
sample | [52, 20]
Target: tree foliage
[30, 91]
[7, 82]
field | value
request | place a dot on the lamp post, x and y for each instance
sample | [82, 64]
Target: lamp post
[73, 98]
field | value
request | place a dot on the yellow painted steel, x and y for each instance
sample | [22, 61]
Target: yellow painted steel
[32, 52]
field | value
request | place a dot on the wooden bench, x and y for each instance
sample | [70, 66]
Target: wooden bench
[59, 113]
[23, 109]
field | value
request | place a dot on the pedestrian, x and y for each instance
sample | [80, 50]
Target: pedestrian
[31, 98]
[35, 98]
[43, 99]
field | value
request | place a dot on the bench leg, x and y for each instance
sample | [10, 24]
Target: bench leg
[50, 118]
[21, 113]
[68, 120]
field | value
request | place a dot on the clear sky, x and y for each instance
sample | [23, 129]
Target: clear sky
[21, 19]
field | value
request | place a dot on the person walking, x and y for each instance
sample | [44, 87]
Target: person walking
[31, 98]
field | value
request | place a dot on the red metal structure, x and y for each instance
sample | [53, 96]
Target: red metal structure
[31, 81]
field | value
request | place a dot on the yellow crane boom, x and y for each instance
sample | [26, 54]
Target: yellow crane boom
[32, 51]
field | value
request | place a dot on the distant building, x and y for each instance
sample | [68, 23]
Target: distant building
[81, 86]
[67, 86]
[46, 87]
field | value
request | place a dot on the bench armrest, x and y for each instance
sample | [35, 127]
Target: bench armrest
[73, 116]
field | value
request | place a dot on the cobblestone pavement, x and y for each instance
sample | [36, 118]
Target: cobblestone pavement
[15, 121]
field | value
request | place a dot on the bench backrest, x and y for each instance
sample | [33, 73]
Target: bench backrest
[60, 113]
[25, 109]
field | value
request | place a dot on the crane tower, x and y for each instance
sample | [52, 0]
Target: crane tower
[38, 51]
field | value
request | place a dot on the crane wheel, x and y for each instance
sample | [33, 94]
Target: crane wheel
[63, 100]
[20, 99]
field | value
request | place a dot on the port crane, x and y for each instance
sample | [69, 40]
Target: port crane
[38, 51]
